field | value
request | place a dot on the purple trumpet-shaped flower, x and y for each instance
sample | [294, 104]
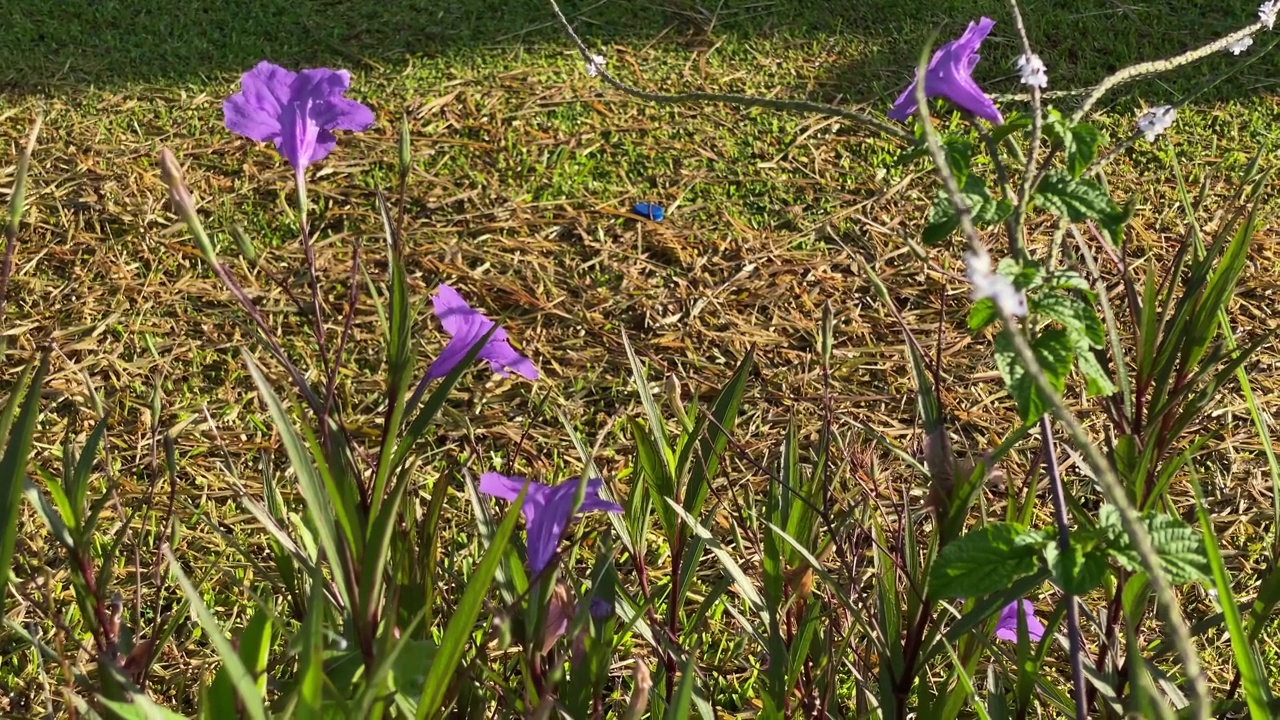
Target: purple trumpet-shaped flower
[466, 326]
[546, 510]
[950, 75]
[1007, 625]
[296, 111]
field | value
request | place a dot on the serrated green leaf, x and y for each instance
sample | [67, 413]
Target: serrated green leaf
[1178, 545]
[984, 561]
[1069, 280]
[981, 314]
[1180, 548]
[1080, 199]
[1096, 380]
[1012, 124]
[1077, 316]
[984, 210]
[1054, 351]
[1077, 571]
[1024, 274]
[1079, 142]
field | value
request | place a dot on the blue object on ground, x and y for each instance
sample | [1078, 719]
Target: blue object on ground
[652, 211]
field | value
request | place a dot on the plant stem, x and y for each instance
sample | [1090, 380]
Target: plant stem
[1112, 489]
[1064, 550]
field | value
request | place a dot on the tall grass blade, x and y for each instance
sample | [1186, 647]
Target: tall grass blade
[462, 624]
[13, 465]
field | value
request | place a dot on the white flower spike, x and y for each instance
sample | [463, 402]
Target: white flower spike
[1240, 45]
[1267, 12]
[988, 284]
[1032, 70]
[595, 65]
[1155, 121]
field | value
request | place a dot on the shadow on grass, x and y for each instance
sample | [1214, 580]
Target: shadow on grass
[870, 44]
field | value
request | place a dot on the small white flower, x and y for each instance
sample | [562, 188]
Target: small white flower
[987, 284]
[595, 65]
[1156, 121]
[1267, 12]
[1240, 45]
[1032, 70]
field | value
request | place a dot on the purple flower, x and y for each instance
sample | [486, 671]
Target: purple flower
[1007, 625]
[466, 326]
[950, 75]
[546, 510]
[297, 111]
[600, 608]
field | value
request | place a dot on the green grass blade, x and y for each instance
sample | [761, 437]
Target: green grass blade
[681, 706]
[140, 707]
[424, 416]
[13, 465]
[462, 624]
[1252, 677]
[310, 689]
[377, 550]
[322, 501]
[731, 566]
[712, 444]
[400, 355]
[241, 679]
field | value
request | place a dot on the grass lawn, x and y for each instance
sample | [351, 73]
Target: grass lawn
[524, 172]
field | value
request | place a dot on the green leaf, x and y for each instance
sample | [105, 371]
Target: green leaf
[1079, 199]
[1077, 316]
[400, 355]
[731, 566]
[461, 626]
[1084, 148]
[255, 643]
[324, 499]
[1068, 280]
[1180, 547]
[981, 314]
[310, 699]
[1054, 351]
[1079, 142]
[713, 438]
[1096, 380]
[1011, 125]
[140, 707]
[682, 703]
[1078, 571]
[985, 210]
[984, 561]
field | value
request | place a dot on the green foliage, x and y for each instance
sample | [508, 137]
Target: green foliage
[984, 561]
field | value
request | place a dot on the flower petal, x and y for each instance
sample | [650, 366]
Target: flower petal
[950, 75]
[1007, 624]
[319, 84]
[502, 357]
[344, 114]
[545, 530]
[324, 88]
[454, 313]
[242, 118]
[505, 487]
[255, 111]
[592, 502]
[452, 354]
